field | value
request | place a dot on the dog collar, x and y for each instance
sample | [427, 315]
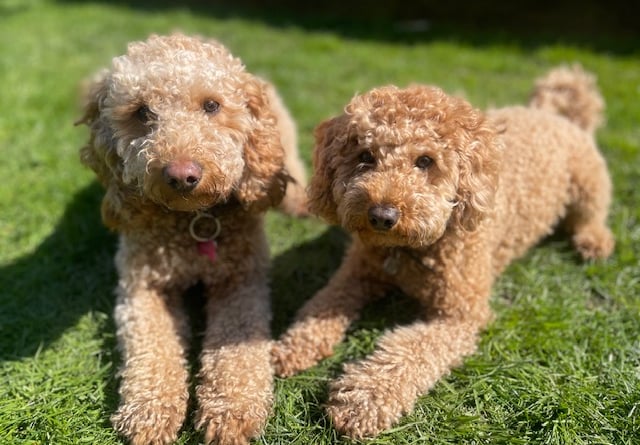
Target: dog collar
[205, 239]
[391, 264]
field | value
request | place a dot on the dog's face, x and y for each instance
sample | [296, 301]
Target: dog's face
[178, 120]
[400, 166]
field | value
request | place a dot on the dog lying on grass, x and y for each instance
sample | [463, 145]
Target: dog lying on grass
[439, 198]
[191, 149]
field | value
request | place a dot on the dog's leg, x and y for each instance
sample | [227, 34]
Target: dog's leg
[235, 390]
[374, 393]
[591, 197]
[321, 323]
[152, 331]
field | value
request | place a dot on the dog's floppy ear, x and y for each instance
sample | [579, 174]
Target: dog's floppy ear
[93, 93]
[264, 179]
[99, 153]
[330, 137]
[479, 155]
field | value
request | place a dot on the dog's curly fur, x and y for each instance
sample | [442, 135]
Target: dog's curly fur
[183, 138]
[439, 198]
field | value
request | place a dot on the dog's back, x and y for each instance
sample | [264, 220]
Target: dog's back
[550, 169]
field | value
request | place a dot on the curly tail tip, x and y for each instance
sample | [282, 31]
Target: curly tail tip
[571, 92]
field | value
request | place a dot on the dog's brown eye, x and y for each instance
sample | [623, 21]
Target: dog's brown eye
[366, 158]
[211, 106]
[144, 114]
[423, 162]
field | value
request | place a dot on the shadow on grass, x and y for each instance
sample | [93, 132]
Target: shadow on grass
[297, 274]
[301, 271]
[607, 27]
[70, 274]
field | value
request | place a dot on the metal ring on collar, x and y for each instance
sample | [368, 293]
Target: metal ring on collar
[192, 227]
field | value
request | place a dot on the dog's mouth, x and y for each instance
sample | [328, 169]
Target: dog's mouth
[413, 240]
[187, 197]
[388, 226]
[190, 204]
[374, 238]
[399, 216]
[186, 185]
[377, 225]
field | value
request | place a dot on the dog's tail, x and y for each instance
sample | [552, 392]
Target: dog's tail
[571, 92]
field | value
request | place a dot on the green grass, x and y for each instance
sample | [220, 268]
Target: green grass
[561, 362]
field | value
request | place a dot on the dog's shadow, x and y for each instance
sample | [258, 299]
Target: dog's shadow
[69, 275]
[299, 272]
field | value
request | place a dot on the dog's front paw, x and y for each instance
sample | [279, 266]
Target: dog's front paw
[359, 414]
[291, 356]
[233, 414]
[287, 361]
[362, 405]
[225, 426]
[149, 422]
[306, 343]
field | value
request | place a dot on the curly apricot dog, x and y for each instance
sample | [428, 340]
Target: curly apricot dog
[191, 150]
[440, 198]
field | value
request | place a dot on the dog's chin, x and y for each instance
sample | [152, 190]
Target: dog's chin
[187, 205]
[393, 238]
[188, 202]
[413, 236]
[203, 197]
[377, 239]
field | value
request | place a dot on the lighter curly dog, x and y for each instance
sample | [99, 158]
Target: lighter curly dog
[191, 149]
[439, 198]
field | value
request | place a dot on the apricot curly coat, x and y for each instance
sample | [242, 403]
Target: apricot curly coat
[439, 198]
[191, 147]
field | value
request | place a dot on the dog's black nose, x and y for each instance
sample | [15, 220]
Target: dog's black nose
[383, 217]
[182, 176]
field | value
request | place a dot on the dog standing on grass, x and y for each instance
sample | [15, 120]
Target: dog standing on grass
[440, 198]
[191, 149]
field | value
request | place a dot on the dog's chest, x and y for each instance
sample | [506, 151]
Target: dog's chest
[408, 270]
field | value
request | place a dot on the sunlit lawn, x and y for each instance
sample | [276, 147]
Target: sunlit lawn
[561, 363]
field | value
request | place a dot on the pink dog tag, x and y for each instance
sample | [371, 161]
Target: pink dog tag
[209, 249]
